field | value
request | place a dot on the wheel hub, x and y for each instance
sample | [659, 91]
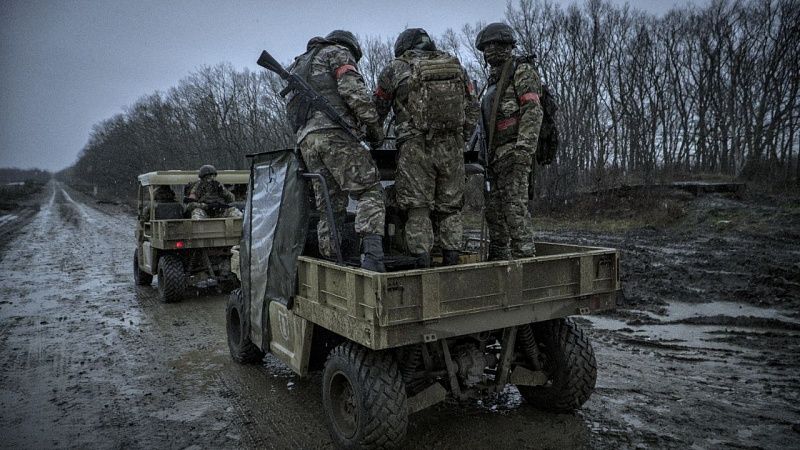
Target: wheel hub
[345, 410]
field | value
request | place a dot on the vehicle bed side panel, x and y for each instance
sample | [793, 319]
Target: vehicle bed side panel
[377, 310]
[222, 232]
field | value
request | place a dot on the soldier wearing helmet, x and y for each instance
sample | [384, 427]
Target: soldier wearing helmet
[434, 106]
[330, 66]
[209, 198]
[511, 115]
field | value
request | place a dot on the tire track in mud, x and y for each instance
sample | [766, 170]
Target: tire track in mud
[62, 354]
[69, 354]
[655, 397]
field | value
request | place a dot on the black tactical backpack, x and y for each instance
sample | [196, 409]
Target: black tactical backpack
[299, 107]
[436, 91]
[548, 133]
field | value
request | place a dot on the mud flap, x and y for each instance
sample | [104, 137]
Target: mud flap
[291, 338]
[432, 395]
[521, 376]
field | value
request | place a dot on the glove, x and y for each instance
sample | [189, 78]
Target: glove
[375, 135]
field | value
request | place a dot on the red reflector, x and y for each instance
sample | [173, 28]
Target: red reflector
[179, 244]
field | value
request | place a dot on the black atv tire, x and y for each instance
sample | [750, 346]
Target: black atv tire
[171, 279]
[364, 398]
[242, 349]
[140, 277]
[568, 359]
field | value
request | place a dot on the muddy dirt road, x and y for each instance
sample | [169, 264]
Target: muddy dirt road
[88, 360]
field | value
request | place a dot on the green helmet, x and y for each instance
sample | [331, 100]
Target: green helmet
[413, 38]
[207, 169]
[347, 39]
[495, 32]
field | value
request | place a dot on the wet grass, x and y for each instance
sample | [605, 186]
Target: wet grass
[602, 213]
[679, 211]
[612, 213]
[12, 195]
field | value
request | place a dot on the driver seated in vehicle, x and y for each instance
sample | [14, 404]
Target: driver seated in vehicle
[208, 198]
[161, 194]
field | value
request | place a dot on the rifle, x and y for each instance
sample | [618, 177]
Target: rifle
[301, 87]
[216, 206]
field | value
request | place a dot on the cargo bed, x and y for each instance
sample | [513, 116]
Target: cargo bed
[385, 310]
[217, 232]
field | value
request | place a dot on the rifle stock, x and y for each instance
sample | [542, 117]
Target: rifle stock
[268, 62]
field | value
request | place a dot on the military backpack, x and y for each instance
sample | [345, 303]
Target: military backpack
[436, 91]
[548, 132]
[298, 106]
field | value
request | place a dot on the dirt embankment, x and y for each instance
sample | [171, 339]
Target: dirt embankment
[19, 202]
[705, 347]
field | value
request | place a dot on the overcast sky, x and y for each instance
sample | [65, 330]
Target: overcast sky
[66, 65]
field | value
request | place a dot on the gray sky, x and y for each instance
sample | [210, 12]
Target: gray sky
[67, 65]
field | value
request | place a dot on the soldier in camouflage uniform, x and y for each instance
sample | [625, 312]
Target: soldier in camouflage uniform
[430, 171]
[209, 198]
[331, 67]
[511, 116]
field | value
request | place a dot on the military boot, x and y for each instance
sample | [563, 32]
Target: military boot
[372, 253]
[423, 260]
[498, 253]
[450, 257]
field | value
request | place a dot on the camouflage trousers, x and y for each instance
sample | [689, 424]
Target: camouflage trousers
[430, 179]
[507, 213]
[200, 213]
[347, 169]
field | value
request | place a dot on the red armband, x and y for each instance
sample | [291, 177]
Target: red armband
[470, 87]
[383, 95]
[505, 123]
[529, 97]
[344, 69]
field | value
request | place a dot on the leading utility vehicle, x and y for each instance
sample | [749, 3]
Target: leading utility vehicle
[390, 344]
[181, 251]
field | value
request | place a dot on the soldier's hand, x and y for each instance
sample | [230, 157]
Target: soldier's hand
[375, 136]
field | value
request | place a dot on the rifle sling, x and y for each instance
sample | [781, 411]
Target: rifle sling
[502, 84]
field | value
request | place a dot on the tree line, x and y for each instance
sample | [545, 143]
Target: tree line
[15, 175]
[709, 90]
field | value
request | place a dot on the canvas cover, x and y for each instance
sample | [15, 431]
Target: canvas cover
[274, 233]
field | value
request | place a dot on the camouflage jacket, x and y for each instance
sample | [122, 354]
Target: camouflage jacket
[519, 114]
[334, 74]
[392, 93]
[209, 192]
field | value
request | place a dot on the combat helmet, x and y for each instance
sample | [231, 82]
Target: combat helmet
[347, 39]
[207, 169]
[413, 38]
[495, 32]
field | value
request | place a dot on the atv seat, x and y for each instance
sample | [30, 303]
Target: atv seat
[168, 211]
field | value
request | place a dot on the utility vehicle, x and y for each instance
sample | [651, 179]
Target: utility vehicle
[391, 344]
[183, 252]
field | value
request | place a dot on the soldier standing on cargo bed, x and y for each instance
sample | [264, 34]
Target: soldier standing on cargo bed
[511, 115]
[209, 198]
[434, 105]
[329, 65]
